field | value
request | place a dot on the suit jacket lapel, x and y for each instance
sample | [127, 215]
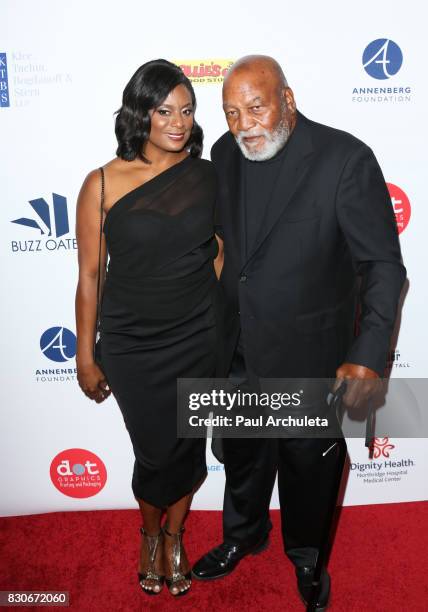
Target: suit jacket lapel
[233, 185]
[293, 171]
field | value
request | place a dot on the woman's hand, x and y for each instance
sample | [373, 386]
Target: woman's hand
[93, 382]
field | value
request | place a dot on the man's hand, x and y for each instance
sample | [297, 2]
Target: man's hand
[361, 383]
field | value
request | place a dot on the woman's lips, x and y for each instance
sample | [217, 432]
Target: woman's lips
[176, 137]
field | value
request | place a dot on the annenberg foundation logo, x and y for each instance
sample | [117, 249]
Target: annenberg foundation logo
[77, 472]
[381, 447]
[382, 58]
[51, 223]
[205, 71]
[401, 205]
[58, 344]
[4, 82]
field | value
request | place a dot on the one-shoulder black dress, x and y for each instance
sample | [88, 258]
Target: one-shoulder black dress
[158, 319]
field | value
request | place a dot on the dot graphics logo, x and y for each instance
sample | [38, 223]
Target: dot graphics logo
[52, 222]
[382, 58]
[78, 473]
[401, 206]
[57, 344]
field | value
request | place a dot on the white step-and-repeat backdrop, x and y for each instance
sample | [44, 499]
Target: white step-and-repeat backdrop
[63, 66]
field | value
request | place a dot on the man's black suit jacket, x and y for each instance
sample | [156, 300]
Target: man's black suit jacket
[327, 248]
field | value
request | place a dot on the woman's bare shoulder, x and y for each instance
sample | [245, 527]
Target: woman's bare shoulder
[93, 178]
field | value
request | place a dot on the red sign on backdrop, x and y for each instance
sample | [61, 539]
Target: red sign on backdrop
[77, 472]
[401, 206]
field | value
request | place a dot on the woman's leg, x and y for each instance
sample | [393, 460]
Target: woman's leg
[151, 516]
[175, 517]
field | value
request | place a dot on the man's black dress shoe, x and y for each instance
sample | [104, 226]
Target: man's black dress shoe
[222, 560]
[304, 584]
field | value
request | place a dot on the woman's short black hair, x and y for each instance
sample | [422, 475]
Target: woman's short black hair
[147, 89]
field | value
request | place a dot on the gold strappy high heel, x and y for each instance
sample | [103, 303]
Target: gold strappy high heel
[152, 545]
[177, 574]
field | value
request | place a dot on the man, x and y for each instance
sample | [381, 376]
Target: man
[308, 231]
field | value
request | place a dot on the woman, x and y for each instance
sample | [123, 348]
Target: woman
[157, 319]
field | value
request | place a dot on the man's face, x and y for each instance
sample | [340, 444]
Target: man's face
[259, 113]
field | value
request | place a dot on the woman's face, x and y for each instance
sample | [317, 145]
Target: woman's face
[172, 121]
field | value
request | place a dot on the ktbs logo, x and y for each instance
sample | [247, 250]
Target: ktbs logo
[58, 344]
[401, 206]
[382, 58]
[4, 81]
[51, 223]
[77, 472]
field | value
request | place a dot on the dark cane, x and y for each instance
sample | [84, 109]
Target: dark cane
[370, 429]
[334, 400]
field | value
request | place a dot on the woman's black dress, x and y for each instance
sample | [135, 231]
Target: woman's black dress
[158, 319]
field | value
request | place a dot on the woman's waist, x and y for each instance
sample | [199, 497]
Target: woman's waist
[155, 298]
[162, 280]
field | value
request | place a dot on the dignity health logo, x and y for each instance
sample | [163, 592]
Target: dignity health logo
[382, 59]
[51, 223]
[4, 82]
[382, 469]
[58, 344]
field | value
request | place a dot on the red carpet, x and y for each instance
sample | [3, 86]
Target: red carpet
[379, 562]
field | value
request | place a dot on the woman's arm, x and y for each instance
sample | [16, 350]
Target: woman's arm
[90, 377]
[218, 261]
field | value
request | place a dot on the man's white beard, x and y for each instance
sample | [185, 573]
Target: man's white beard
[274, 141]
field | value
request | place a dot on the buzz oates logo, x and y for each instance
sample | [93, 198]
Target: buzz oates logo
[58, 345]
[401, 205]
[382, 60]
[385, 467]
[206, 71]
[77, 472]
[49, 227]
